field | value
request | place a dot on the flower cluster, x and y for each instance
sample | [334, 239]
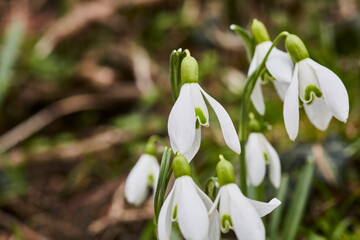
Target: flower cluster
[299, 81]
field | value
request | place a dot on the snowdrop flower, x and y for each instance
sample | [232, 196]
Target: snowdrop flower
[263, 42]
[320, 90]
[237, 212]
[259, 152]
[190, 112]
[143, 175]
[189, 206]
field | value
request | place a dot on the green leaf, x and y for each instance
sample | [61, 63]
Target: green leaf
[248, 40]
[10, 50]
[174, 69]
[163, 180]
[276, 215]
[299, 200]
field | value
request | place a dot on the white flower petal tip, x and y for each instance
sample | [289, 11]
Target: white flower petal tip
[187, 205]
[227, 127]
[181, 123]
[264, 208]
[143, 175]
[195, 147]
[334, 91]
[291, 106]
[318, 113]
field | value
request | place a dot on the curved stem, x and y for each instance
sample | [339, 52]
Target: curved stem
[249, 86]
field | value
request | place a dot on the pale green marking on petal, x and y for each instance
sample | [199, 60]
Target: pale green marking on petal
[151, 180]
[310, 91]
[226, 222]
[174, 216]
[201, 116]
[266, 157]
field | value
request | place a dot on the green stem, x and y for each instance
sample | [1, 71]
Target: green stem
[249, 86]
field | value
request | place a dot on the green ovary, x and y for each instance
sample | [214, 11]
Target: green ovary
[226, 222]
[201, 116]
[312, 89]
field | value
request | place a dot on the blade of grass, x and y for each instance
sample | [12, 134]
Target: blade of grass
[10, 50]
[299, 201]
[162, 181]
[276, 215]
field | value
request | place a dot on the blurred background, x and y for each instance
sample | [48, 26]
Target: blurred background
[85, 83]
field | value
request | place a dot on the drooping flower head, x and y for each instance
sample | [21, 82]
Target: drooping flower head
[143, 176]
[189, 206]
[190, 112]
[260, 153]
[320, 90]
[237, 212]
[263, 44]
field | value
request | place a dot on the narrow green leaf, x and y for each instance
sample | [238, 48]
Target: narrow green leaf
[299, 200]
[163, 180]
[174, 69]
[276, 215]
[248, 40]
[10, 50]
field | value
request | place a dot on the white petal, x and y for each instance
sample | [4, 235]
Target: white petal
[254, 63]
[280, 66]
[164, 222]
[334, 91]
[307, 77]
[137, 182]
[255, 159]
[291, 106]
[181, 124]
[281, 88]
[214, 227]
[264, 208]
[227, 127]
[318, 113]
[191, 212]
[274, 162]
[246, 221]
[224, 208]
[199, 104]
[257, 98]
[195, 147]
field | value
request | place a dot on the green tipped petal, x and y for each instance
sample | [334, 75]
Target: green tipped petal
[181, 166]
[296, 48]
[225, 172]
[189, 70]
[312, 90]
[226, 222]
[259, 32]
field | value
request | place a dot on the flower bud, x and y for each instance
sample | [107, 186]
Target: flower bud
[225, 172]
[259, 32]
[296, 48]
[254, 124]
[150, 148]
[181, 166]
[189, 70]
